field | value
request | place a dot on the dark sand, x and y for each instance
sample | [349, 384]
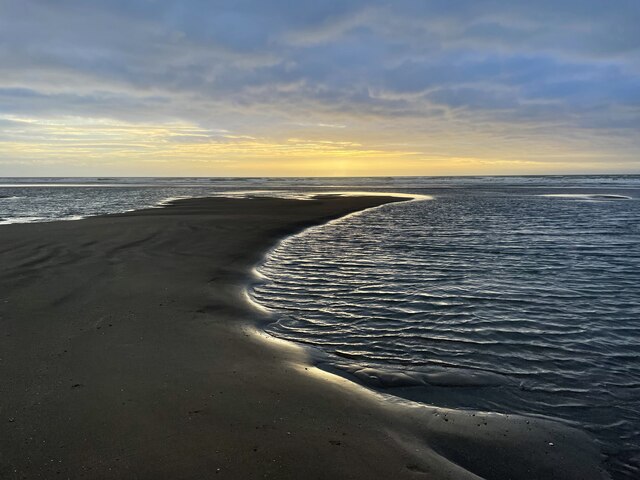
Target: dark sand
[127, 350]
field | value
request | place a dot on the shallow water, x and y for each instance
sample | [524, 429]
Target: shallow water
[505, 301]
[508, 294]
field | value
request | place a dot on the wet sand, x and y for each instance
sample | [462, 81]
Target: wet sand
[128, 349]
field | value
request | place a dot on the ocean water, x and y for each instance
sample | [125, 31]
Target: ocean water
[507, 294]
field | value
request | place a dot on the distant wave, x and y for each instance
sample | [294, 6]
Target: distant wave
[588, 196]
[9, 221]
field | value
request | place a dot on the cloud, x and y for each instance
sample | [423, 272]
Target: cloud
[483, 69]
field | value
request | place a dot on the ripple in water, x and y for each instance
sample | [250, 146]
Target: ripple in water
[530, 303]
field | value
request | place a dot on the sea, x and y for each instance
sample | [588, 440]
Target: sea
[504, 294]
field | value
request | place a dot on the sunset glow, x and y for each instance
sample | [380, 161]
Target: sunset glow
[337, 88]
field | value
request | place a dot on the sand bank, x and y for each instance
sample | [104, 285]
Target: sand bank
[128, 350]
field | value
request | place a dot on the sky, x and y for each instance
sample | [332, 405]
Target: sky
[319, 88]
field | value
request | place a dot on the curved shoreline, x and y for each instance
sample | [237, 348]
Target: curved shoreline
[311, 360]
[127, 353]
[316, 357]
[255, 277]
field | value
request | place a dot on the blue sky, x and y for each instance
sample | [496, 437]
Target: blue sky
[256, 87]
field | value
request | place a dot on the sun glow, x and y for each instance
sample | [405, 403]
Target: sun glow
[80, 145]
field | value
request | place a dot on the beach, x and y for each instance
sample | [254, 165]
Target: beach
[129, 349]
